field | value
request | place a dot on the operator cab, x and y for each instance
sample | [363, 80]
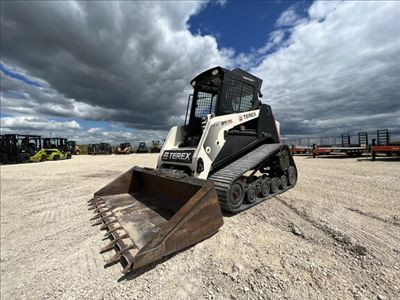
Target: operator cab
[71, 144]
[30, 143]
[56, 143]
[124, 145]
[218, 92]
[93, 148]
[19, 147]
[104, 146]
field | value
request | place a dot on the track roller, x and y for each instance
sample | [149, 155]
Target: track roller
[284, 182]
[274, 184]
[251, 194]
[264, 187]
[235, 195]
[292, 175]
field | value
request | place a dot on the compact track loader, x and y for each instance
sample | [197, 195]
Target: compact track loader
[227, 155]
[102, 148]
[156, 148]
[142, 148]
[124, 148]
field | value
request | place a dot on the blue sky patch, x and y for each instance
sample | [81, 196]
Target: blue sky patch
[18, 76]
[243, 25]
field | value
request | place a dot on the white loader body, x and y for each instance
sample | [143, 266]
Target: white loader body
[211, 142]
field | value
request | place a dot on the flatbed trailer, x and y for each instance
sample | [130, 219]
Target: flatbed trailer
[300, 150]
[389, 150]
[350, 151]
[383, 145]
[346, 147]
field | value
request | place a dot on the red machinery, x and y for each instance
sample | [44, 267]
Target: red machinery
[384, 145]
[351, 150]
[300, 150]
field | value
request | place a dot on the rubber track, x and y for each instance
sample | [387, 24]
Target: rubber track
[225, 177]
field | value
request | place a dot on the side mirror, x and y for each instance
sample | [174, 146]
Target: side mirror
[260, 94]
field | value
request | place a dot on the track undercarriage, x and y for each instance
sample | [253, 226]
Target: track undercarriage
[263, 173]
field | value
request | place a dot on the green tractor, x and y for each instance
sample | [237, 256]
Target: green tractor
[21, 148]
[56, 148]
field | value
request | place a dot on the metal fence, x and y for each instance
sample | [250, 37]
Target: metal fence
[334, 140]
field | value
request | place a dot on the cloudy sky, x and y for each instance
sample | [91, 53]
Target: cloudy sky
[117, 71]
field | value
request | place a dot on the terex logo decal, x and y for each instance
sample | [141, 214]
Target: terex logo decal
[182, 156]
[247, 78]
[165, 155]
[250, 115]
[247, 116]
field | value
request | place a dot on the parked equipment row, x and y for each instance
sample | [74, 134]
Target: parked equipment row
[126, 148]
[19, 148]
[380, 145]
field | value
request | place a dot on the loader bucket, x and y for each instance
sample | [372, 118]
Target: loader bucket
[149, 215]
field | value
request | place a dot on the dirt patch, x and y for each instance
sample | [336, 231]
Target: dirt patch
[336, 235]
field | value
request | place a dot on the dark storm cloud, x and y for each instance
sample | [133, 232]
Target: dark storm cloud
[133, 58]
[131, 62]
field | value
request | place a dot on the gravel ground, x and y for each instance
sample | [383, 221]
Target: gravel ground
[335, 235]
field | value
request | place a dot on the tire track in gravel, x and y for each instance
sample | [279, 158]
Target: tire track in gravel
[381, 242]
[377, 242]
[56, 215]
[339, 237]
[319, 187]
[395, 220]
[284, 218]
[51, 191]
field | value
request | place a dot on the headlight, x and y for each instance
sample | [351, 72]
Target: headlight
[200, 165]
[193, 83]
[214, 72]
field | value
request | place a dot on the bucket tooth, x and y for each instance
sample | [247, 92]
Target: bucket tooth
[98, 208]
[98, 222]
[94, 199]
[101, 205]
[126, 248]
[117, 256]
[111, 244]
[112, 260]
[102, 210]
[96, 216]
[105, 225]
[129, 257]
[97, 203]
[103, 220]
[100, 215]
[111, 231]
[127, 269]
[91, 207]
[107, 216]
